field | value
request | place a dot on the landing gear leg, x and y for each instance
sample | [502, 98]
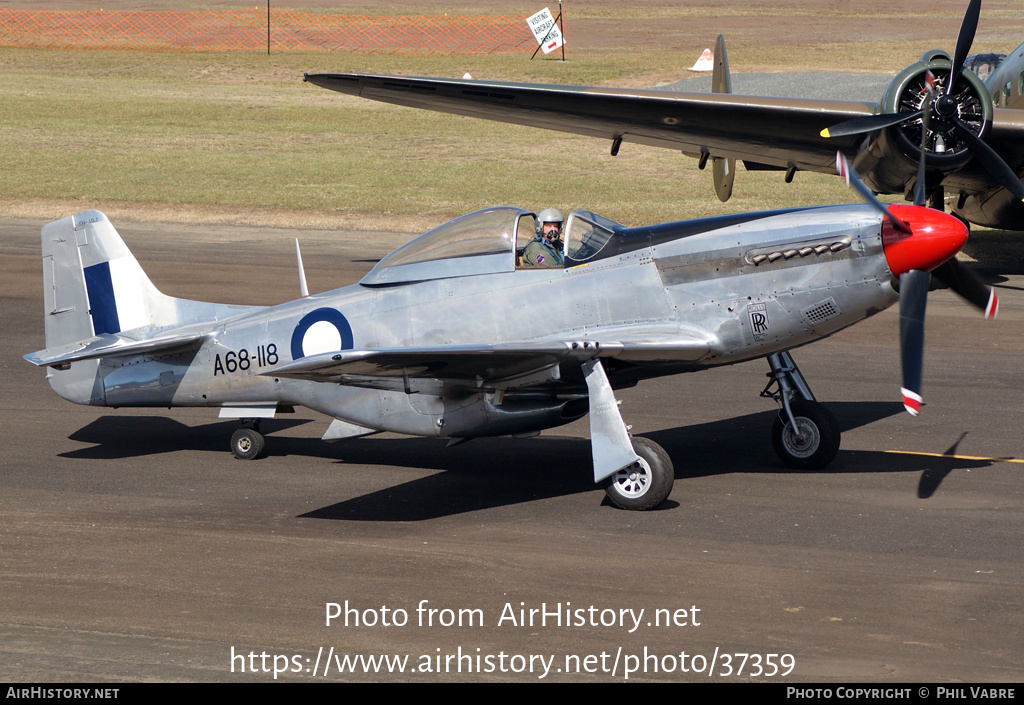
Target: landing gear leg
[805, 434]
[637, 473]
[247, 442]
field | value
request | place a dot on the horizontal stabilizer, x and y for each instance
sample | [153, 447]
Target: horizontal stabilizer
[115, 345]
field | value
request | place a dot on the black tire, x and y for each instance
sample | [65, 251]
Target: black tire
[820, 442]
[246, 444]
[644, 485]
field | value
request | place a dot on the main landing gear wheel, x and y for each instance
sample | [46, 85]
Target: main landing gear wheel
[814, 444]
[246, 443]
[644, 484]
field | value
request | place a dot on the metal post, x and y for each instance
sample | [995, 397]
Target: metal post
[561, 28]
[268, 27]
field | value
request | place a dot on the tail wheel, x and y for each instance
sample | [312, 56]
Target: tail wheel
[646, 483]
[815, 441]
[246, 443]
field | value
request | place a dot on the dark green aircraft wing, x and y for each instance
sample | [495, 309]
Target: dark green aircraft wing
[780, 132]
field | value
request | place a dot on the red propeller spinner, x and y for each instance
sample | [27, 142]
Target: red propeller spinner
[932, 237]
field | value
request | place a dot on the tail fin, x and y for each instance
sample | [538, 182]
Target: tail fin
[94, 289]
[93, 284]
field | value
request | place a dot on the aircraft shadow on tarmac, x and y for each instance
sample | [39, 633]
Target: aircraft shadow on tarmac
[494, 472]
[997, 252]
[116, 437]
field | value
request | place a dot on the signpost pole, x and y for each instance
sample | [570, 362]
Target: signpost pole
[561, 27]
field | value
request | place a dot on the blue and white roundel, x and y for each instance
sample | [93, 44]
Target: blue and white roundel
[321, 331]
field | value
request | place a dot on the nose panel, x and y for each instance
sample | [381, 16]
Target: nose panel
[935, 237]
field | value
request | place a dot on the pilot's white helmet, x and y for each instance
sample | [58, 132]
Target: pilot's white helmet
[549, 215]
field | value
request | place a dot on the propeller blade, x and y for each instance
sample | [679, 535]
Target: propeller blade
[919, 195]
[964, 40]
[965, 282]
[913, 298]
[868, 123]
[993, 163]
[852, 178]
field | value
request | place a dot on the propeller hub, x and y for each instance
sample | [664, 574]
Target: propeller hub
[945, 107]
[935, 237]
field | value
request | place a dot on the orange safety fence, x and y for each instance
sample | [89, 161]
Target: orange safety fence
[220, 30]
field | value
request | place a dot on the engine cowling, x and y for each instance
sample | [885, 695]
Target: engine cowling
[970, 103]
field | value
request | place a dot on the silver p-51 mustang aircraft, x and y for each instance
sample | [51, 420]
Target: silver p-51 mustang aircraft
[447, 337]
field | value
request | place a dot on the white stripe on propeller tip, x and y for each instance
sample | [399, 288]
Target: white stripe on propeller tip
[992, 308]
[843, 167]
[911, 402]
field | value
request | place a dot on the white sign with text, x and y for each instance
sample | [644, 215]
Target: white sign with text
[545, 30]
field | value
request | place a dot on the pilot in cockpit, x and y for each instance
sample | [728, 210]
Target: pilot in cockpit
[545, 249]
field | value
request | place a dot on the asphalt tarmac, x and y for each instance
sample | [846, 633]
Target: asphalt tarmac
[134, 547]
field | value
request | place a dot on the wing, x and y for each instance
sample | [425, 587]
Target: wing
[781, 132]
[491, 366]
[499, 366]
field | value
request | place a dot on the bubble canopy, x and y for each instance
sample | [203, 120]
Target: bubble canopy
[482, 242]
